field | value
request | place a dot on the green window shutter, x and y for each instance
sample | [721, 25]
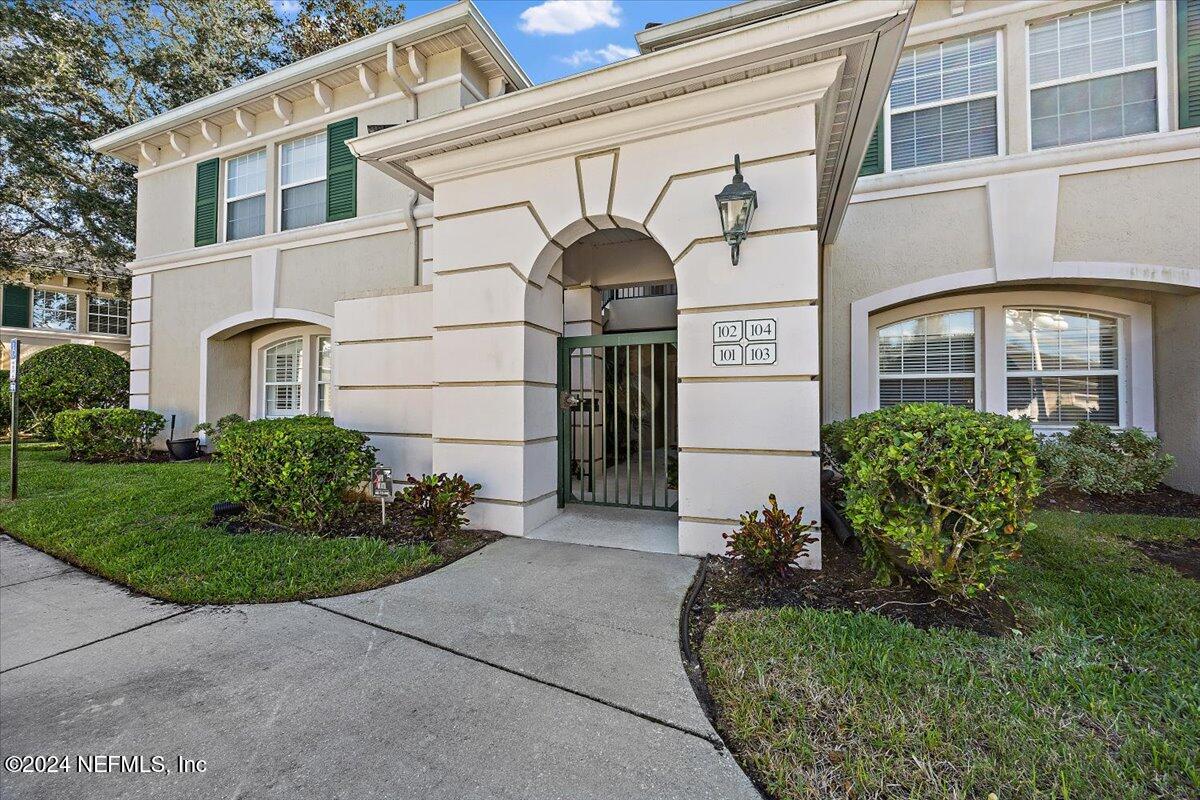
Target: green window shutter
[1188, 13]
[341, 185]
[873, 161]
[206, 201]
[17, 303]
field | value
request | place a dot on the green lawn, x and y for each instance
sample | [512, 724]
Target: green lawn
[143, 525]
[1099, 697]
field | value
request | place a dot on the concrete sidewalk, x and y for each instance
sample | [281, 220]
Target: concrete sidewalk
[527, 670]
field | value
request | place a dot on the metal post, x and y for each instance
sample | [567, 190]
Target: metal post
[14, 385]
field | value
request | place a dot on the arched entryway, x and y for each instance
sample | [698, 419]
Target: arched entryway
[617, 374]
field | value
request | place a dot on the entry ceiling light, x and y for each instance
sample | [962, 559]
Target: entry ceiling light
[736, 204]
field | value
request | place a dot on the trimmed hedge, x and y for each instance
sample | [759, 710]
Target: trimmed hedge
[107, 434]
[70, 376]
[1094, 459]
[296, 471]
[944, 491]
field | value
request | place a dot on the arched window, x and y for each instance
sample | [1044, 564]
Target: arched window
[283, 380]
[1062, 366]
[928, 359]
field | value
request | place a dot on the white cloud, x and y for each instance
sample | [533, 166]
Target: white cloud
[605, 55]
[286, 7]
[614, 52]
[570, 16]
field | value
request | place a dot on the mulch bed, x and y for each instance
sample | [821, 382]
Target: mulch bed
[364, 521]
[842, 584]
[1161, 502]
[1183, 556]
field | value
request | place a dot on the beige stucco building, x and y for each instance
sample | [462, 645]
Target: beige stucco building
[67, 307]
[530, 284]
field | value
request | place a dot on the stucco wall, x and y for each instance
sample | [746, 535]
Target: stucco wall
[1145, 215]
[889, 243]
[185, 302]
[314, 277]
[1177, 380]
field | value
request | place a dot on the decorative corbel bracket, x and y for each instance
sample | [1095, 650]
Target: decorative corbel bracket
[283, 109]
[149, 153]
[323, 95]
[211, 132]
[245, 120]
[179, 143]
[368, 80]
[416, 63]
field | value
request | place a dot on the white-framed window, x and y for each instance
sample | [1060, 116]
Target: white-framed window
[1062, 366]
[283, 378]
[302, 175]
[929, 358]
[56, 311]
[246, 195]
[944, 103]
[1096, 74]
[324, 376]
[108, 315]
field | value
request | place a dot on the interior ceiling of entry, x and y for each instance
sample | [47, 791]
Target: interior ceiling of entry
[612, 236]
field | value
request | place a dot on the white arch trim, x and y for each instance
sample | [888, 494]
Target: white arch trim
[862, 396]
[237, 323]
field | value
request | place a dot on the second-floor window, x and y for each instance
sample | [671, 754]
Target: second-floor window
[57, 311]
[1094, 75]
[245, 195]
[302, 175]
[108, 315]
[943, 103]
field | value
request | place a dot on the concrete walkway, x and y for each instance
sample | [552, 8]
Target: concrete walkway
[528, 670]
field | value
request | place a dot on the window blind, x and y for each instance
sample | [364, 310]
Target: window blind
[1063, 366]
[928, 359]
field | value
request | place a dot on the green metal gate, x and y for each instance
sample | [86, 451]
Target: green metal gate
[617, 426]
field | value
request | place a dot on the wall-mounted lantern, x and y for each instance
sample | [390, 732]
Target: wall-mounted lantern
[736, 204]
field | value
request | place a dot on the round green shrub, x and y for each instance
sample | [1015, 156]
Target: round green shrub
[107, 434]
[1094, 459]
[297, 471]
[944, 491]
[70, 376]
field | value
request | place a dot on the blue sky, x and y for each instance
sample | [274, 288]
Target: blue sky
[553, 38]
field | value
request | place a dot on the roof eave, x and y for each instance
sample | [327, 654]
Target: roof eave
[409, 31]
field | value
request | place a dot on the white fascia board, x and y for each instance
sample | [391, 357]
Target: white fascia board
[815, 29]
[408, 32]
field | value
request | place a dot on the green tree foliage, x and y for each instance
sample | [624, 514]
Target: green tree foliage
[322, 24]
[70, 376]
[74, 70]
